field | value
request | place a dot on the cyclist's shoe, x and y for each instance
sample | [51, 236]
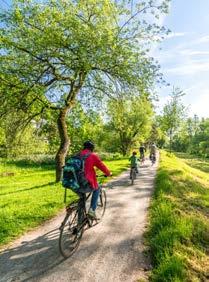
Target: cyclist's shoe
[78, 234]
[92, 214]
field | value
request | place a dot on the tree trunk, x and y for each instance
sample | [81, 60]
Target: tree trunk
[124, 148]
[62, 126]
[64, 143]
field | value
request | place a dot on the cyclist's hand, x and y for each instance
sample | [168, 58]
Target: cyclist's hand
[108, 175]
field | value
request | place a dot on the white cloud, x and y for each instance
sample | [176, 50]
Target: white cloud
[189, 52]
[183, 51]
[199, 102]
[196, 99]
[163, 100]
[203, 39]
[175, 34]
[180, 53]
[187, 90]
[190, 68]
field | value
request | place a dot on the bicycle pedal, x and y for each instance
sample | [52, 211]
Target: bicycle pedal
[75, 231]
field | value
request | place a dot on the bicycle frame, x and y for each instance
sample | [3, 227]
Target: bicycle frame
[76, 221]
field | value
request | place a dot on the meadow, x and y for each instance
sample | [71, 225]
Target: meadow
[178, 234]
[29, 195]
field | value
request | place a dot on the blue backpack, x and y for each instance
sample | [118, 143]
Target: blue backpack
[73, 173]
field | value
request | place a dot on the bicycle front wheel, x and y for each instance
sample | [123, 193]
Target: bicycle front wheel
[70, 234]
[101, 206]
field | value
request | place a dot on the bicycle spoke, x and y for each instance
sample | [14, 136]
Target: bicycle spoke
[70, 234]
[73, 226]
[101, 206]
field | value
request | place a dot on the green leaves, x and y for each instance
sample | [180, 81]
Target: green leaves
[131, 120]
[53, 52]
[49, 45]
[173, 113]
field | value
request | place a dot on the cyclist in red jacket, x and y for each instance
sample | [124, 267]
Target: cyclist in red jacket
[91, 162]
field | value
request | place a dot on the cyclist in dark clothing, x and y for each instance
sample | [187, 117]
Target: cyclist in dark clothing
[142, 151]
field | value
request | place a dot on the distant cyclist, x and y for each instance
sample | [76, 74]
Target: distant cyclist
[142, 151]
[153, 152]
[134, 161]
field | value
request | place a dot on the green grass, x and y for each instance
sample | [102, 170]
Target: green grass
[30, 196]
[179, 220]
[195, 162]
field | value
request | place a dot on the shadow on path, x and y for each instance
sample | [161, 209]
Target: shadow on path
[31, 260]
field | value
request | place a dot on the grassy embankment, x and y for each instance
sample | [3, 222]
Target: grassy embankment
[179, 220]
[30, 196]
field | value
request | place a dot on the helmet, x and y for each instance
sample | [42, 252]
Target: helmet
[88, 145]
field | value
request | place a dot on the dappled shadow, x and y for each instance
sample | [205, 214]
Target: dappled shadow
[197, 203]
[122, 182]
[176, 172]
[30, 258]
[198, 163]
[28, 189]
[187, 191]
[201, 165]
[32, 164]
[33, 259]
[182, 155]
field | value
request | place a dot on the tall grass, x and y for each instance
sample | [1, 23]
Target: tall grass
[179, 225]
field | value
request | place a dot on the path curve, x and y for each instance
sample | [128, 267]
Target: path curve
[111, 251]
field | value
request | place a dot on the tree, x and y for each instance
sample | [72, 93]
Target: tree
[173, 113]
[14, 143]
[130, 119]
[199, 142]
[53, 52]
[157, 135]
[84, 124]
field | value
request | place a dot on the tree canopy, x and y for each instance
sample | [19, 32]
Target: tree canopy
[54, 52]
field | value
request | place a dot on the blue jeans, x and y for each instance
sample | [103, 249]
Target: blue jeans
[82, 199]
[94, 199]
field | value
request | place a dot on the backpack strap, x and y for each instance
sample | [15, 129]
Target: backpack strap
[83, 158]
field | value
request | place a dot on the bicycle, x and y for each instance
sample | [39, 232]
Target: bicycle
[77, 220]
[133, 174]
[142, 159]
[153, 158]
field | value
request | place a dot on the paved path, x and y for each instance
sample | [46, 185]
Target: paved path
[112, 251]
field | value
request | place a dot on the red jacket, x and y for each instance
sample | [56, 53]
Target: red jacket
[93, 161]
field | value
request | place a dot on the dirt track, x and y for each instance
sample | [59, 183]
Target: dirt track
[109, 252]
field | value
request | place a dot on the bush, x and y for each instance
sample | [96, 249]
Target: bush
[110, 156]
[34, 160]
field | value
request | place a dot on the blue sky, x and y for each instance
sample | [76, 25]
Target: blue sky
[184, 55]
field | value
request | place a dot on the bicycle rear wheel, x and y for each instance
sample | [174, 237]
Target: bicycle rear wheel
[133, 175]
[70, 233]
